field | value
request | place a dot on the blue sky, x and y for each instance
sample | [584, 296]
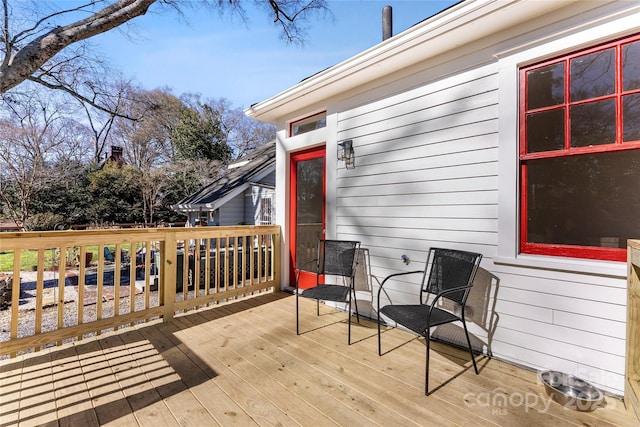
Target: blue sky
[222, 57]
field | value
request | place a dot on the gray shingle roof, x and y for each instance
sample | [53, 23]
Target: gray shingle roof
[235, 179]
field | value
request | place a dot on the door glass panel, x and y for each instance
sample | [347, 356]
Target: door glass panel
[309, 207]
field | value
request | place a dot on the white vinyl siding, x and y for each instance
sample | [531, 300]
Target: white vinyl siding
[426, 171]
[427, 163]
[436, 155]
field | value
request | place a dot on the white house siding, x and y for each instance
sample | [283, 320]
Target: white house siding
[427, 174]
[436, 146]
[252, 205]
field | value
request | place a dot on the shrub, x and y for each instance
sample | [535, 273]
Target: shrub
[44, 221]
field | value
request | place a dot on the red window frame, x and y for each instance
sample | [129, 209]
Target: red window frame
[589, 252]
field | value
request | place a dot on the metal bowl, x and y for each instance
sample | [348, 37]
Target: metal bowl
[571, 392]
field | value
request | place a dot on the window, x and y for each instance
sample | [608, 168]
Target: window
[317, 121]
[202, 219]
[580, 153]
[266, 211]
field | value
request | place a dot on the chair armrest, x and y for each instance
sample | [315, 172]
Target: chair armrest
[300, 269]
[306, 263]
[448, 291]
[406, 273]
[399, 274]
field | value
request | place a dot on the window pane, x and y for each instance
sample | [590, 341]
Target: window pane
[586, 200]
[593, 75]
[545, 86]
[631, 117]
[309, 124]
[545, 131]
[631, 66]
[593, 123]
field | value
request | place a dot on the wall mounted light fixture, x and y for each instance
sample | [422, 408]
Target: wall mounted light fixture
[346, 153]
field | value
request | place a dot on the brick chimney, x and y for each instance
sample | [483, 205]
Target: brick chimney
[116, 154]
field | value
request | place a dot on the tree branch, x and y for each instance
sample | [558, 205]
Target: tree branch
[36, 53]
[78, 96]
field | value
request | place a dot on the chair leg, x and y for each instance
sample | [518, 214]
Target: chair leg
[426, 375]
[379, 335]
[297, 321]
[355, 301]
[318, 307]
[349, 322]
[473, 359]
[352, 293]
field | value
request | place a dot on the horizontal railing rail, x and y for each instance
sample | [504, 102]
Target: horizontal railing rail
[64, 285]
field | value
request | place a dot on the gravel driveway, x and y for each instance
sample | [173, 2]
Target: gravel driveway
[27, 312]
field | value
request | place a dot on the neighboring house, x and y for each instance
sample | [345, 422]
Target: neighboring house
[510, 128]
[244, 194]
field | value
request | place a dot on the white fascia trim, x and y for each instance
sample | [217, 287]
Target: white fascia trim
[185, 209]
[450, 29]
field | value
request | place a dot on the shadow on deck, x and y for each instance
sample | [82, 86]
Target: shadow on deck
[241, 363]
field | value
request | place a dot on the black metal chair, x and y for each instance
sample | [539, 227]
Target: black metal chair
[337, 258]
[448, 275]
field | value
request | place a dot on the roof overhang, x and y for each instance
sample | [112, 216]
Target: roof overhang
[212, 206]
[207, 207]
[454, 27]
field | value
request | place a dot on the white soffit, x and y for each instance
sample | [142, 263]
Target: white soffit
[461, 24]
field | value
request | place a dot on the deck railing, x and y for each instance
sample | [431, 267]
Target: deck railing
[74, 284]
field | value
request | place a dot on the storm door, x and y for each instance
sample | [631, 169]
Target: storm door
[307, 204]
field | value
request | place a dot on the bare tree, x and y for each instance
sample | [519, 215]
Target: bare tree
[117, 97]
[146, 141]
[35, 133]
[39, 44]
[243, 133]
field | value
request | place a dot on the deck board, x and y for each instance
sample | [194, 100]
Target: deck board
[343, 405]
[242, 364]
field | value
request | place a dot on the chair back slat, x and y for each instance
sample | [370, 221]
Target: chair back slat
[337, 257]
[448, 269]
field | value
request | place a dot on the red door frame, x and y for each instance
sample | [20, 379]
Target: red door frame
[310, 154]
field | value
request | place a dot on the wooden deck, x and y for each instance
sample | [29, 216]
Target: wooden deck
[242, 364]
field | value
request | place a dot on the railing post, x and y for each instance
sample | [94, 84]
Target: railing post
[276, 261]
[169, 258]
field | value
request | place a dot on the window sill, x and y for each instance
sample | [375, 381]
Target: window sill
[572, 265]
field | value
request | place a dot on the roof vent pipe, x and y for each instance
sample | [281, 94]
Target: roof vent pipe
[387, 23]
